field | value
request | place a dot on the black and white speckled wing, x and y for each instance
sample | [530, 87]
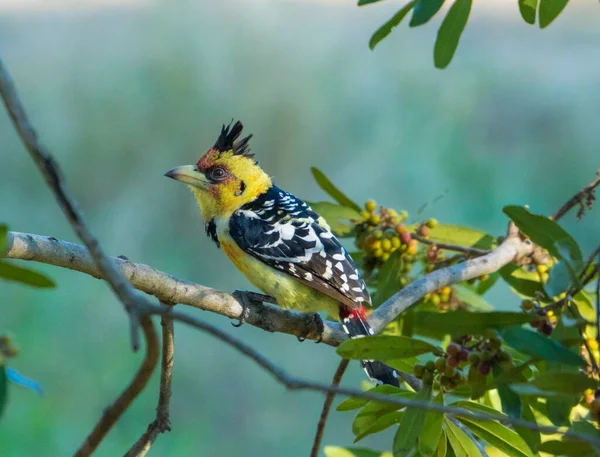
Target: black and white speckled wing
[285, 233]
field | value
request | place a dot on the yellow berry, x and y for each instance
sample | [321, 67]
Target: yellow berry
[544, 277]
[386, 245]
[542, 269]
[432, 223]
[396, 242]
[527, 305]
[446, 290]
[385, 256]
[484, 278]
[365, 215]
[375, 244]
[370, 205]
[435, 299]
[374, 219]
[377, 252]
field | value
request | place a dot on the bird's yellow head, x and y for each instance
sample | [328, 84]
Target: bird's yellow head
[226, 177]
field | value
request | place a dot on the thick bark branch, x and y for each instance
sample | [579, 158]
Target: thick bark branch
[169, 289]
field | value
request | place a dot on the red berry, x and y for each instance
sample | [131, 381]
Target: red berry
[535, 324]
[424, 231]
[405, 237]
[546, 329]
[452, 362]
[463, 356]
[453, 348]
[485, 368]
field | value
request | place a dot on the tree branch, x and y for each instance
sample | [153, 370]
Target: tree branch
[337, 378]
[50, 170]
[584, 197]
[512, 248]
[450, 247]
[167, 288]
[116, 410]
[162, 423]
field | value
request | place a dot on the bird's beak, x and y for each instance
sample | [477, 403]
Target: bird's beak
[188, 174]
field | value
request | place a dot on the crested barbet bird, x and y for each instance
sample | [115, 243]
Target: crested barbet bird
[280, 244]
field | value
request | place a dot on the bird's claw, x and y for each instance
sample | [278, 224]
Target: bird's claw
[316, 318]
[245, 299]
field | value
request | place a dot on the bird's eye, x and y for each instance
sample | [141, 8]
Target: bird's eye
[218, 173]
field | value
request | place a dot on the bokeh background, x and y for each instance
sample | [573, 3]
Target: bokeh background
[123, 91]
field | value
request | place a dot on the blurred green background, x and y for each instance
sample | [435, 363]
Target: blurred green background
[121, 94]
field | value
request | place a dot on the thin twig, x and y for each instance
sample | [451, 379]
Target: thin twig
[337, 378]
[451, 247]
[162, 423]
[293, 383]
[123, 401]
[50, 170]
[585, 195]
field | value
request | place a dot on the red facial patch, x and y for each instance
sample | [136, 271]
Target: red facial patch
[207, 160]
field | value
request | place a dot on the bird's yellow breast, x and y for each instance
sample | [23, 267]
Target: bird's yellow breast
[288, 291]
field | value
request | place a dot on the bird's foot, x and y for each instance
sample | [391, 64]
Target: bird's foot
[315, 319]
[245, 299]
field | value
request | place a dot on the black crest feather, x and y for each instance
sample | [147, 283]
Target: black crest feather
[228, 140]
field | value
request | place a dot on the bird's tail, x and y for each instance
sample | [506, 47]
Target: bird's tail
[355, 325]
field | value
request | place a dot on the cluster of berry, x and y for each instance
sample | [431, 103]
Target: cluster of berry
[480, 355]
[547, 318]
[381, 231]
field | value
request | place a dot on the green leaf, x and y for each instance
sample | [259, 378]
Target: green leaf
[528, 9]
[472, 298]
[338, 217]
[496, 434]
[477, 382]
[566, 447]
[524, 283]
[3, 238]
[3, 387]
[548, 234]
[384, 347]
[355, 403]
[375, 410]
[486, 285]
[540, 346]
[450, 32]
[549, 10]
[531, 437]
[23, 275]
[325, 184]
[388, 282]
[585, 306]
[559, 410]
[478, 407]
[442, 448]
[432, 430]
[461, 236]
[510, 400]
[559, 280]
[403, 364]
[386, 28]
[382, 423]
[562, 383]
[462, 445]
[333, 451]
[465, 322]
[367, 2]
[424, 10]
[411, 425]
